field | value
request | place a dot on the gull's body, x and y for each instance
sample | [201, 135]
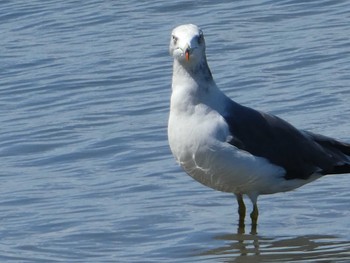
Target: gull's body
[233, 148]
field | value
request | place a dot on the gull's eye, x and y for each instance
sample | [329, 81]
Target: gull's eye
[174, 39]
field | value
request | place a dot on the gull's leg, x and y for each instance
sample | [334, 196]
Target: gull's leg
[241, 209]
[254, 214]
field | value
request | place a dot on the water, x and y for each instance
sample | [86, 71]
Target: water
[86, 171]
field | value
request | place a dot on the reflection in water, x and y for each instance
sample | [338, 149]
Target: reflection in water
[251, 247]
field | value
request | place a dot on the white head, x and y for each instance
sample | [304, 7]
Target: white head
[187, 45]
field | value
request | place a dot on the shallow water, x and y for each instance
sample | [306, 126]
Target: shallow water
[87, 174]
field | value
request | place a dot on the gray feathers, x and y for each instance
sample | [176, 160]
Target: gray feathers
[300, 153]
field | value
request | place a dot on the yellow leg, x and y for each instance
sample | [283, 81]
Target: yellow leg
[241, 209]
[254, 215]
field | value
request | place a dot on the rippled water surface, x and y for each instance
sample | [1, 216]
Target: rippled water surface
[86, 171]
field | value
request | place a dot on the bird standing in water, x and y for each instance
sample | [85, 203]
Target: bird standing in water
[233, 148]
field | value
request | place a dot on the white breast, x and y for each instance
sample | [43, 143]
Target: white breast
[198, 136]
[198, 141]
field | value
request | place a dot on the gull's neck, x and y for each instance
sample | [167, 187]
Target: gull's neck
[193, 84]
[196, 73]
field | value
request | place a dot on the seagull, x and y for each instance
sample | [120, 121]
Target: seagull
[233, 148]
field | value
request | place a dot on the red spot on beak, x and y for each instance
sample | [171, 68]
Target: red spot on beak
[187, 54]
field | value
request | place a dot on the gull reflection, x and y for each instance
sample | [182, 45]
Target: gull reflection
[251, 247]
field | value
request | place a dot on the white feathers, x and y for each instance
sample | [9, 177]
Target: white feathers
[198, 132]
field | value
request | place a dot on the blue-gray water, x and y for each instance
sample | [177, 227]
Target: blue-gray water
[86, 171]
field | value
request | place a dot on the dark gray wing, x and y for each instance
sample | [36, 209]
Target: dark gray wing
[300, 153]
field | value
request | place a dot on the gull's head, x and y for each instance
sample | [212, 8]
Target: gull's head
[187, 44]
